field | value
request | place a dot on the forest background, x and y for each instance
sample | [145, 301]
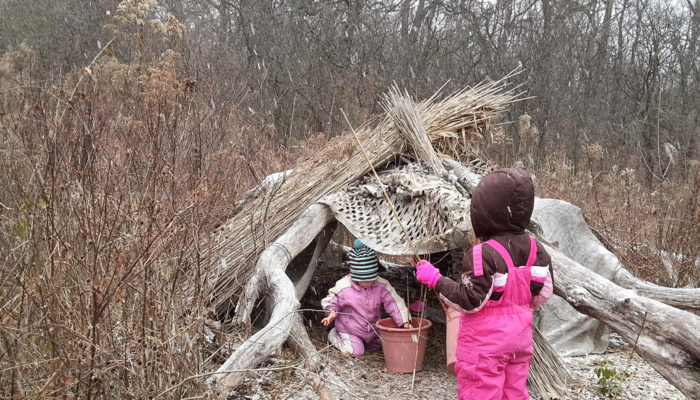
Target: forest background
[131, 128]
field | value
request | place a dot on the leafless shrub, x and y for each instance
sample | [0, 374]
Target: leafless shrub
[108, 186]
[651, 231]
[526, 130]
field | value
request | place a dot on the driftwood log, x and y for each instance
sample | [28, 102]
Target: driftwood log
[642, 313]
[282, 295]
[564, 224]
[667, 337]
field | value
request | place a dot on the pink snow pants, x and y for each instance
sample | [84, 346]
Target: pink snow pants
[494, 345]
[354, 344]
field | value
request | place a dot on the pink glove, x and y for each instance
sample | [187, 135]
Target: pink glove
[427, 274]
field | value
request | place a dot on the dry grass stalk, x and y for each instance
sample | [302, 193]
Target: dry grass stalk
[233, 249]
[549, 375]
[406, 117]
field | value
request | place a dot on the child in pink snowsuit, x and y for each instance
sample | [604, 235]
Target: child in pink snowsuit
[503, 276]
[354, 304]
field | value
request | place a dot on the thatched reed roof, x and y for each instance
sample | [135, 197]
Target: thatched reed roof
[453, 123]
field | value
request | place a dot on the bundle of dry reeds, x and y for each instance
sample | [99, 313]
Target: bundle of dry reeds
[407, 120]
[231, 254]
[549, 376]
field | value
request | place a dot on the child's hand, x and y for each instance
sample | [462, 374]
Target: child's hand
[427, 274]
[327, 321]
[408, 325]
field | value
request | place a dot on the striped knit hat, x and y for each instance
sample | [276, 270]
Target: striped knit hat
[363, 263]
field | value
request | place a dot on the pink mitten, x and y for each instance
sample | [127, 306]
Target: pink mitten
[427, 274]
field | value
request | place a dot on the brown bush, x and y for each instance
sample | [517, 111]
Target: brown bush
[108, 186]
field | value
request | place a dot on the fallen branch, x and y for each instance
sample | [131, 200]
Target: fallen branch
[280, 290]
[564, 224]
[669, 341]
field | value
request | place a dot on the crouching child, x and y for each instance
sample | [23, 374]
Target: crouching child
[355, 302]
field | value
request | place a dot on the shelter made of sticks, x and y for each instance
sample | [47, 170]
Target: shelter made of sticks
[425, 152]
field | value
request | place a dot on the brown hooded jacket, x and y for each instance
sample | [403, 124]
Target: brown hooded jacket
[500, 209]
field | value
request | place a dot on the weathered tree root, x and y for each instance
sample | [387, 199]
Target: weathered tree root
[280, 289]
[668, 340]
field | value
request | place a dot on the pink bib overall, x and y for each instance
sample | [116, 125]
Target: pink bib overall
[494, 345]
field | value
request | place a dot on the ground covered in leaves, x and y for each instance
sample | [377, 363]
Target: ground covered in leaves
[349, 377]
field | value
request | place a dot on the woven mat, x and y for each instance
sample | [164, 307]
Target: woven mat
[434, 215]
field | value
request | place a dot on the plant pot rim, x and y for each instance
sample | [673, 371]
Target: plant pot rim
[423, 325]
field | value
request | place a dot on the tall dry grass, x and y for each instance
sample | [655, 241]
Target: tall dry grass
[110, 177]
[652, 231]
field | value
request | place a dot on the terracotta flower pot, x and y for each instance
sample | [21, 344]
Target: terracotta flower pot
[404, 349]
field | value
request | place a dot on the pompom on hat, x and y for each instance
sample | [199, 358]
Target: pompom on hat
[364, 264]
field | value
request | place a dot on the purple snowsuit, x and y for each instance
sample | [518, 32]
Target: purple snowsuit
[357, 312]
